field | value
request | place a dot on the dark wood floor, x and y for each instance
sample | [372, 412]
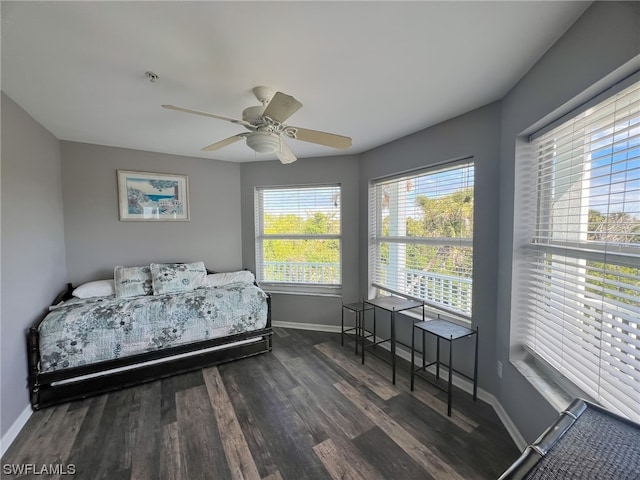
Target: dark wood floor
[308, 410]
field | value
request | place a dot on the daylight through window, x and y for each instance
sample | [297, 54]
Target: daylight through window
[421, 236]
[298, 236]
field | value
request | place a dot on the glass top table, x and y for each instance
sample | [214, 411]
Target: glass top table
[450, 332]
[445, 329]
[392, 305]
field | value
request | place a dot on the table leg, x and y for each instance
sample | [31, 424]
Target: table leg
[342, 329]
[393, 347]
[413, 350]
[450, 392]
[357, 330]
[374, 326]
[438, 358]
[475, 370]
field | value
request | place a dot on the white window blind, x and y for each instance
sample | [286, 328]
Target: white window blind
[421, 236]
[577, 268]
[298, 235]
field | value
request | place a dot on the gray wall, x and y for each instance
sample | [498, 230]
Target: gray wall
[34, 229]
[33, 254]
[605, 38]
[343, 170]
[96, 240]
[474, 134]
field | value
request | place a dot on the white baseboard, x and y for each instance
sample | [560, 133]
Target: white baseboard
[508, 423]
[11, 434]
[316, 327]
[458, 381]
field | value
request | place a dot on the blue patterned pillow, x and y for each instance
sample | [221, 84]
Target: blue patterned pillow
[132, 281]
[177, 277]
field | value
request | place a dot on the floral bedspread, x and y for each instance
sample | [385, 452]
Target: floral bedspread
[80, 332]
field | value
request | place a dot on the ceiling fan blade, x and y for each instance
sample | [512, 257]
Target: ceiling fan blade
[284, 153]
[321, 138]
[205, 114]
[281, 107]
[223, 143]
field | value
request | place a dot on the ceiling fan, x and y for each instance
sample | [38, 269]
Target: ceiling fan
[267, 129]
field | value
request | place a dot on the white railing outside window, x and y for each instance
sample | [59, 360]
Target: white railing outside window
[301, 272]
[451, 292]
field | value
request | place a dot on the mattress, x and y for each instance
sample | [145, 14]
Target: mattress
[86, 331]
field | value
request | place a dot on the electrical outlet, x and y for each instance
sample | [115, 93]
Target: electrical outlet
[499, 369]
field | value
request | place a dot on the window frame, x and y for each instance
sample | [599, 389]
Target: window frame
[376, 237]
[533, 250]
[315, 289]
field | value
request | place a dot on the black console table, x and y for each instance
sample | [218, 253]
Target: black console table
[392, 305]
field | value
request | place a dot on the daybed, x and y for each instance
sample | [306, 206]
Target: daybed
[144, 328]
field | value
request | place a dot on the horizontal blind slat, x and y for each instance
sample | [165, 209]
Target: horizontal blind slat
[577, 277]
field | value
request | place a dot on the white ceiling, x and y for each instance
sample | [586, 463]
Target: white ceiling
[374, 71]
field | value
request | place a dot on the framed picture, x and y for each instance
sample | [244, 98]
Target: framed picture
[144, 196]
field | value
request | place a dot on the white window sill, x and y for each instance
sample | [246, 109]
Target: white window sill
[431, 313]
[550, 387]
[306, 290]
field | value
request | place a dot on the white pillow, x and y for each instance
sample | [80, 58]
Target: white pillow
[99, 288]
[222, 279]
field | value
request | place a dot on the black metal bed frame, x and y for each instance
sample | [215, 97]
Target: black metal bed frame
[46, 389]
[527, 465]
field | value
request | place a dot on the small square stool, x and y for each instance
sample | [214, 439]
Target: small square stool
[450, 332]
[358, 332]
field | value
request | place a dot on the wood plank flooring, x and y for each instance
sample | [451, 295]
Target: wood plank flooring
[308, 410]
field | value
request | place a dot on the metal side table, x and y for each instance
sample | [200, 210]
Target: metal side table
[392, 305]
[358, 332]
[449, 331]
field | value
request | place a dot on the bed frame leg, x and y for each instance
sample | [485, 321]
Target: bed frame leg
[269, 337]
[33, 358]
[35, 396]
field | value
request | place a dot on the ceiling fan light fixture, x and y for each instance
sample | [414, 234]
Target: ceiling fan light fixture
[263, 142]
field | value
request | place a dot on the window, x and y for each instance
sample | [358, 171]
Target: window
[298, 238]
[577, 250]
[421, 236]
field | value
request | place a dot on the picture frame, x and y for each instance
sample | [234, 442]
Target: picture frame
[154, 197]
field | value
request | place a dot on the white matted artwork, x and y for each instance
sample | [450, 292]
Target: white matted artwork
[144, 196]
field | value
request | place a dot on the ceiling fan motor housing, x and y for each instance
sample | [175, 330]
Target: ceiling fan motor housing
[253, 115]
